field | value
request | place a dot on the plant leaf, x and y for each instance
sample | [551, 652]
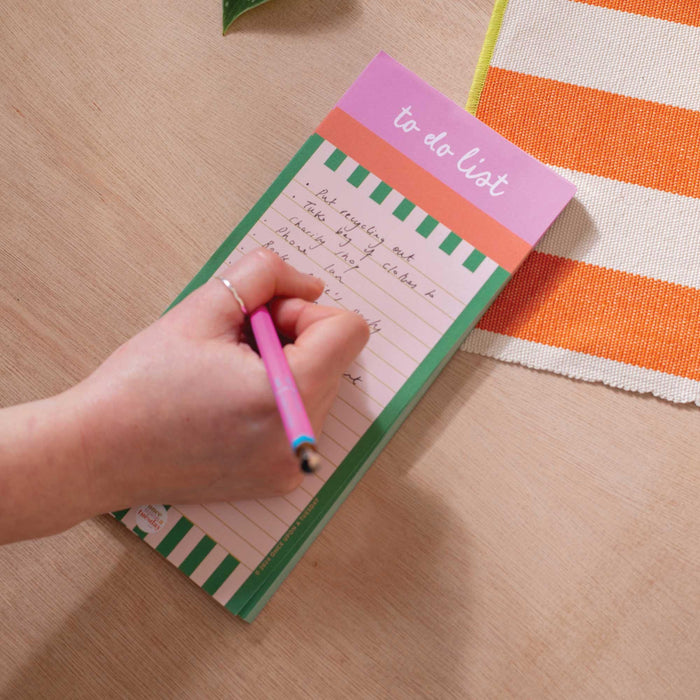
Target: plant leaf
[235, 8]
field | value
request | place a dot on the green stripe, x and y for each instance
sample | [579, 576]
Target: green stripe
[171, 540]
[450, 243]
[222, 572]
[381, 192]
[119, 514]
[404, 209]
[485, 56]
[141, 533]
[196, 556]
[476, 257]
[358, 176]
[427, 226]
[335, 159]
[258, 588]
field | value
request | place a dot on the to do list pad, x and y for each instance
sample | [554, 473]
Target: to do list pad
[414, 214]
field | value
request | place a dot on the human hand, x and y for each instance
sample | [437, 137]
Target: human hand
[184, 413]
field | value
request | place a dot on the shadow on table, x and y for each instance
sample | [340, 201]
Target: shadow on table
[400, 611]
[379, 606]
[296, 16]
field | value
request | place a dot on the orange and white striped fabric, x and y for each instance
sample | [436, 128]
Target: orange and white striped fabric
[607, 92]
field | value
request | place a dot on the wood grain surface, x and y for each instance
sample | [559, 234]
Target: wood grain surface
[523, 535]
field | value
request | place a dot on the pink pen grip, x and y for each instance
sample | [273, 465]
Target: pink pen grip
[291, 407]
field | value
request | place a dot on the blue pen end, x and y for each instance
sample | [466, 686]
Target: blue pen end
[309, 459]
[303, 440]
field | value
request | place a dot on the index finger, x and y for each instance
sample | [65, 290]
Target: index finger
[257, 277]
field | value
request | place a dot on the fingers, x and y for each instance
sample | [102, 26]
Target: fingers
[292, 316]
[327, 340]
[262, 275]
[213, 310]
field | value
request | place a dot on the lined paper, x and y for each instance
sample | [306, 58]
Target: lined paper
[407, 288]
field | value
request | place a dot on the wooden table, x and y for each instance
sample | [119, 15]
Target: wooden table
[523, 535]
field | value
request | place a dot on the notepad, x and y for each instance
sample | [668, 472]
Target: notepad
[414, 214]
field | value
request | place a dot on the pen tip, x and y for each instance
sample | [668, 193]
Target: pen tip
[309, 459]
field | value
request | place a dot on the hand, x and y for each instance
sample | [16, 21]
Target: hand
[183, 412]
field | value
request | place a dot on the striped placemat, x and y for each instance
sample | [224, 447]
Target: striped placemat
[607, 92]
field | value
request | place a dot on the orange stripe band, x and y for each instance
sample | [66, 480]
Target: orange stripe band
[683, 11]
[601, 133]
[423, 189]
[601, 312]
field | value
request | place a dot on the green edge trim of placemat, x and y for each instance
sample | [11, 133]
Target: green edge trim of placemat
[482, 65]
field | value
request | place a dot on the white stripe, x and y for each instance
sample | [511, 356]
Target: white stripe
[596, 47]
[578, 365]
[208, 565]
[185, 546]
[129, 520]
[222, 534]
[630, 228]
[155, 538]
[232, 584]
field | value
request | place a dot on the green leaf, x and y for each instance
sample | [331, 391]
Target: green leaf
[235, 8]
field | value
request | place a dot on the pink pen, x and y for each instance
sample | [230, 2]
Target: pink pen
[296, 423]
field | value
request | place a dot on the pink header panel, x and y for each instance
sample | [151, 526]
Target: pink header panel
[499, 178]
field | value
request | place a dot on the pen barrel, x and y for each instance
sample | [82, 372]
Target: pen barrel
[291, 408]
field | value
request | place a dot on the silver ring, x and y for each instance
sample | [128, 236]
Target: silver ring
[233, 291]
